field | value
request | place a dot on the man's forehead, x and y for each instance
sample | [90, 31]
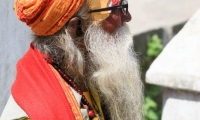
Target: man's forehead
[116, 2]
[96, 4]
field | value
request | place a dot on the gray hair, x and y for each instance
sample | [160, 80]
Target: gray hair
[61, 49]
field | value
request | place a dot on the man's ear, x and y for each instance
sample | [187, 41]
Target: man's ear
[74, 27]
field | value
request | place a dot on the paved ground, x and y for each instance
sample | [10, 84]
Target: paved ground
[152, 14]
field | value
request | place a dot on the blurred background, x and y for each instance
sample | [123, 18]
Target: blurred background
[154, 23]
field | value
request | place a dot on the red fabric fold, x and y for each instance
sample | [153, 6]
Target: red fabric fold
[37, 90]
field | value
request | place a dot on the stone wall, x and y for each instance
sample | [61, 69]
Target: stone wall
[176, 69]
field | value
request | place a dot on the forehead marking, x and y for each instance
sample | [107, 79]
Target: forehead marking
[115, 2]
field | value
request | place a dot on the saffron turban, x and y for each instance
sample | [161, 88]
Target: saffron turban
[45, 17]
[97, 4]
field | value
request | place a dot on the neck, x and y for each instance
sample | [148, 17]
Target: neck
[78, 83]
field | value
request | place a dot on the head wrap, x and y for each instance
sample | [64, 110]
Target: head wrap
[45, 17]
[97, 4]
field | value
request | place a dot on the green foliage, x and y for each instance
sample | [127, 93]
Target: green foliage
[149, 108]
[152, 111]
[153, 101]
[152, 91]
[154, 46]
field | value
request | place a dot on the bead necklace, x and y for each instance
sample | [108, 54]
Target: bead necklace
[72, 84]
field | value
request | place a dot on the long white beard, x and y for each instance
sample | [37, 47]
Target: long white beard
[115, 72]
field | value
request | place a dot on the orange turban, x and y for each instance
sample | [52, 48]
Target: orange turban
[45, 17]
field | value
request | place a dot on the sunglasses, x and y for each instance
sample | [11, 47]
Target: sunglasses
[123, 6]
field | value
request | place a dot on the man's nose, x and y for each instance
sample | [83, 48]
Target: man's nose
[126, 17]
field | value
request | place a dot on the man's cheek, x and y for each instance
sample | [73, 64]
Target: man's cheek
[97, 4]
[99, 16]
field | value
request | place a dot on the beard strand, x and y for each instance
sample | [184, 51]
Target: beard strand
[114, 72]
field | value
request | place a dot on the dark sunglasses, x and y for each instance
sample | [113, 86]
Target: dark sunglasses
[122, 6]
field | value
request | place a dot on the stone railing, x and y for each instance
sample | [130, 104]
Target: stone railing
[177, 70]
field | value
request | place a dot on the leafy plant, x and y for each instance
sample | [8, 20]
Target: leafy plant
[152, 106]
[154, 46]
[149, 109]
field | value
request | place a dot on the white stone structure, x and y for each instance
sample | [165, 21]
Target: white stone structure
[177, 69]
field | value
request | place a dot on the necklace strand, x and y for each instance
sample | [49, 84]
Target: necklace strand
[75, 87]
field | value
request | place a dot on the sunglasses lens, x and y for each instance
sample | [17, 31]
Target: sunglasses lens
[125, 9]
[123, 2]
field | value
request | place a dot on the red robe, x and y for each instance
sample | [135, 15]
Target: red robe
[37, 90]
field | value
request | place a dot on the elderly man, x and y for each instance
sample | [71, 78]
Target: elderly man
[80, 64]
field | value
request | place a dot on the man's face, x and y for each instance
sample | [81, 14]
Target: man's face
[116, 16]
[110, 15]
[110, 62]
